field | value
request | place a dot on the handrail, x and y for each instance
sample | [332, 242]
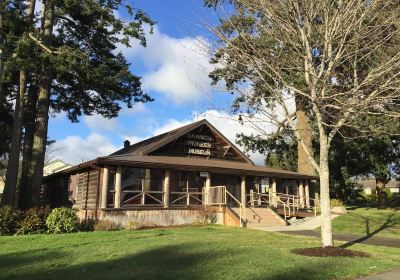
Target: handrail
[284, 207]
[241, 207]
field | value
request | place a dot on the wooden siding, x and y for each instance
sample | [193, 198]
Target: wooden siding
[87, 190]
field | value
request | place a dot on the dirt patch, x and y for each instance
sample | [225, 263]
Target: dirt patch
[329, 252]
[167, 227]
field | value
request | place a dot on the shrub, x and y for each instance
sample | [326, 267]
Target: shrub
[106, 225]
[337, 203]
[132, 225]
[62, 220]
[33, 221]
[87, 224]
[370, 198]
[205, 217]
[9, 218]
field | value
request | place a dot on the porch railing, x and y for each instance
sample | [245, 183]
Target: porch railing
[290, 203]
[214, 196]
[186, 197]
[139, 197]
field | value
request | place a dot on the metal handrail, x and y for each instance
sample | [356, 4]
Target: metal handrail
[241, 207]
[284, 207]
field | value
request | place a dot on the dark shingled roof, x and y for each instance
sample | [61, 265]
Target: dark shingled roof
[147, 146]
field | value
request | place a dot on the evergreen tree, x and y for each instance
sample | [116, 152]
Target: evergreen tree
[74, 66]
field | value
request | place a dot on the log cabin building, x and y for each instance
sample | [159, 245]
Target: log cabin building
[179, 177]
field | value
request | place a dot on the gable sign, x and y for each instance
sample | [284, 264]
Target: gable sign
[199, 144]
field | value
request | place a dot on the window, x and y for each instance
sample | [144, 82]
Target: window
[131, 179]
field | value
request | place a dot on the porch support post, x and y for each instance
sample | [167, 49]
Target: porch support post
[301, 193]
[243, 190]
[274, 191]
[104, 188]
[207, 190]
[166, 188]
[117, 198]
[307, 191]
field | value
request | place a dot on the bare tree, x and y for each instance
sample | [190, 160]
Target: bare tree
[341, 58]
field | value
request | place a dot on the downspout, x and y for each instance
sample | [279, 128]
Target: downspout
[97, 192]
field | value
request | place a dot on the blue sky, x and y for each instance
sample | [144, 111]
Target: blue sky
[174, 69]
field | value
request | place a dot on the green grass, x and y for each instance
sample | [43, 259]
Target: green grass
[211, 252]
[369, 221]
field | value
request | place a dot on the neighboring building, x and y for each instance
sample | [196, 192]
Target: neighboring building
[55, 166]
[369, 185]
[173, 177]
[50, 168]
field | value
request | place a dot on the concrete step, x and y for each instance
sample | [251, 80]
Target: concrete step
[260, 217]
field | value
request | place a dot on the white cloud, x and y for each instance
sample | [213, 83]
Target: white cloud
[138, 107]
[74, 149]
[176, 67]
[171, 124]
[98, 123]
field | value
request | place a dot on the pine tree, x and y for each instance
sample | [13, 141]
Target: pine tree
[74, 66]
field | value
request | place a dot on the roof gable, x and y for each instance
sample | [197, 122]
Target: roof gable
[198, 139]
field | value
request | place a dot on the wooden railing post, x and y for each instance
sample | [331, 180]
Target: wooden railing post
[166, 188]
[307, 191]
[301, 193]
[243, 190]
[274, 192]
[104, 188]
[117, 197]
[207, 189]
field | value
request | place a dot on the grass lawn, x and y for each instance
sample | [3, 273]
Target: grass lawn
[369, 221]
[210, 252]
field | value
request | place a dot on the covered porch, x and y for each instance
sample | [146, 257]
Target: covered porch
[137, 187]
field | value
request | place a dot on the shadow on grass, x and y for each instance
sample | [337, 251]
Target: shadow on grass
[391, 221]
[168, 262]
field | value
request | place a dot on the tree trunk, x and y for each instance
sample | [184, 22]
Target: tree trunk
[2, 97]
[40, 137]
[380, 191]
[29, 125]
[303, 127]
[14, 157]
[326, 226]
[13, 160]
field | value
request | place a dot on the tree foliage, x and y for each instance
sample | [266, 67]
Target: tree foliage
[71, 58]
[341, 57]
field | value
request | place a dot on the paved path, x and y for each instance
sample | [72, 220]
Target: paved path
[352, 239]
[309, 224]
[388, 275]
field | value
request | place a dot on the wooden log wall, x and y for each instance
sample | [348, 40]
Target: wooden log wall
[87, 195]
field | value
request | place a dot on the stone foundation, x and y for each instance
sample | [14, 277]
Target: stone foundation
[156, 217]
